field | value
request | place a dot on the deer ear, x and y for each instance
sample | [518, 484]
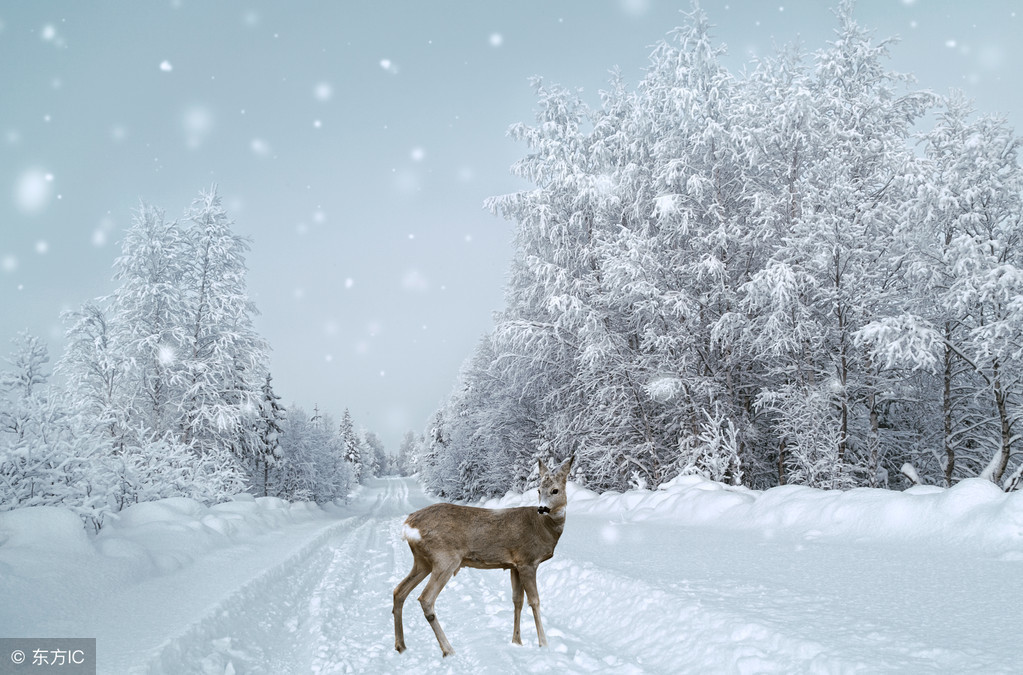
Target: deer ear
[566, 466]
[543, 468]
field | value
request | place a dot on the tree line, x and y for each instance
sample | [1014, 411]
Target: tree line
[166, 389]
[804, 273]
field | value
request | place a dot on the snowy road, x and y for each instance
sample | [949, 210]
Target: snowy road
[650, 596]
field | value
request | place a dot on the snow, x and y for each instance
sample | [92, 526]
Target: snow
[32, 190]
[696, 576]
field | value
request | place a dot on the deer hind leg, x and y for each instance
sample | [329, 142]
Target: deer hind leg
[517, 600]
[528, 577]
[442, 572]
[401, 591]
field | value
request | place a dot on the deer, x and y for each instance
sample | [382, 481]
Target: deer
[447, 537]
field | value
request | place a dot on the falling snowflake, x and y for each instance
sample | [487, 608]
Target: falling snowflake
[323, 91]
[260, 147]
[166, 355]
[32, 190]
[166, 66]
[197, 122]
[414, 281]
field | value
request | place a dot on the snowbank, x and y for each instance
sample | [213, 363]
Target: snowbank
[160, 536]
[48, 548]
[973, 512]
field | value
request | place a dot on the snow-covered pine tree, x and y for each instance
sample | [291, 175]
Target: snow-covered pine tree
[268, 428]
[405, 460]
[349, 446]
[311, 467]
[374, 449]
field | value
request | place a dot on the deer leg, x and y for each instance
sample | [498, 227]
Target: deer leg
[517, 599]
[439, 577]
[401, 592]
[528, 577]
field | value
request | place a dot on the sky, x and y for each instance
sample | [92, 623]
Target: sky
[355, 143]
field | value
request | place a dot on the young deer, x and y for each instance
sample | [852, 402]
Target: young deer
[447, 537]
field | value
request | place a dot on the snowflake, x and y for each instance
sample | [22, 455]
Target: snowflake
[166, 355]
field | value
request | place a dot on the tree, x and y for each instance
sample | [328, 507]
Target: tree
[94, 368]
[311, 467]
[374, 449]
[220, 344]
[147, 314]
[269, 428]
[349, 445]
[43, 462]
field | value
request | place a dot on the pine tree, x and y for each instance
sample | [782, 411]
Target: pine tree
[269, 428]
[350, 445]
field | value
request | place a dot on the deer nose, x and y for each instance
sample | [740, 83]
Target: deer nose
[543, 509]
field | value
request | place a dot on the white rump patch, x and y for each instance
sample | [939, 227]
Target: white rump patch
[409, 533]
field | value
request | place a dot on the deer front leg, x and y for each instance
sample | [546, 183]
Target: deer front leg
[438, 578]
[528, 577]
[517, 600]
[401, 592]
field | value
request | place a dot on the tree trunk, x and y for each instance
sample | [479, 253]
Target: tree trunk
[1002, 458]
[946, 410]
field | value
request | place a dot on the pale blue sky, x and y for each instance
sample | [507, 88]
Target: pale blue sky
[355, 143]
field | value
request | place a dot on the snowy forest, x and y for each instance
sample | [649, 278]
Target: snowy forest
[166, 391]
[803, 273]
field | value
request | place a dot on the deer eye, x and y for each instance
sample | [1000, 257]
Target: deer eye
[554, 491]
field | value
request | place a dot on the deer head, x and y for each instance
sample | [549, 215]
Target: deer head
[553, 497]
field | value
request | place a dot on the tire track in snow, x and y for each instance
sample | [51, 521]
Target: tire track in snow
[265, 605]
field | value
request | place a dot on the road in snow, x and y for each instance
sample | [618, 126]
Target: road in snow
[618, 596]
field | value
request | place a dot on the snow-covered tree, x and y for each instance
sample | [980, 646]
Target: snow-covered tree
[94, 368]
[374, 457]
[311, 467]
[43, 461]
[269, 427]
[721, 275]
[223, 360]
[147, 314]
[349, 445]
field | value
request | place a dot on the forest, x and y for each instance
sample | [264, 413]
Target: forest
[804, 273]
[165, 390]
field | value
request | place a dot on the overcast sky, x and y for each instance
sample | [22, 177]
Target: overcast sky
[355, 143]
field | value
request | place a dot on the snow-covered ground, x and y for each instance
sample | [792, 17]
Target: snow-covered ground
[695, 577]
